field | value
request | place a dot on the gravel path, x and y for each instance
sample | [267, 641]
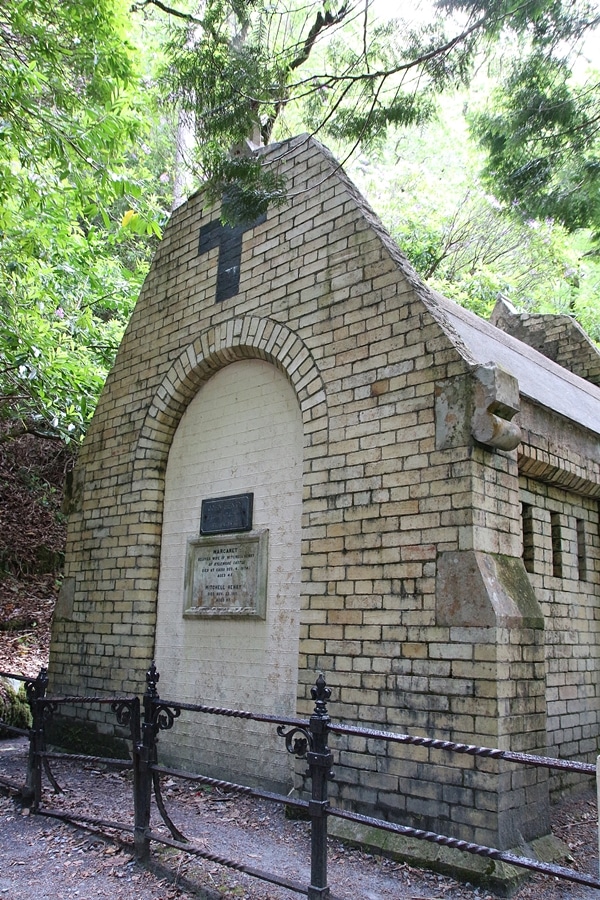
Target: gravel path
[43, 858]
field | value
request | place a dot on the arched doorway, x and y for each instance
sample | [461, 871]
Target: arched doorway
[241, 434]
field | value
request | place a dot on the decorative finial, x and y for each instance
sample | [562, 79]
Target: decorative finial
[320, 694]
[152, 679]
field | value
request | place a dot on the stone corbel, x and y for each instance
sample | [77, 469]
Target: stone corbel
[495, 404]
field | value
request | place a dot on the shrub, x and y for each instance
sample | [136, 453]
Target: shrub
[14, 708]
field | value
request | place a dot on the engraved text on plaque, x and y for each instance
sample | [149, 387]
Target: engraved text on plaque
[227, 575]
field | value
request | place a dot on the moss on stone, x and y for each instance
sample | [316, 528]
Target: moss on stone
[516, 583]
[14, 708]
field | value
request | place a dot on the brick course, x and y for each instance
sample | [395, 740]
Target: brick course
[413, 598]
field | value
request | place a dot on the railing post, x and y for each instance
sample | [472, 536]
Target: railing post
[598, 807]
[319, 760]
[143, 758]
[36, 691]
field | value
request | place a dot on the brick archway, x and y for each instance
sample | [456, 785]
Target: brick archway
[248, 337]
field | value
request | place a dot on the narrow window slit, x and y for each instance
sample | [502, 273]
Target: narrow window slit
[557, 554]
[528, 543]
[582, 563]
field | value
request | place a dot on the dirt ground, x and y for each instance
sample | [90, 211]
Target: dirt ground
[42, 858]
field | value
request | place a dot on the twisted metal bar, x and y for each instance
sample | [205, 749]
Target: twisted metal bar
[230, 864]
[234, 713]
[82, 757]
[468, 847]
[470, 749]
[241, 789]
[88, 820]
[103, 700]
[393, 737]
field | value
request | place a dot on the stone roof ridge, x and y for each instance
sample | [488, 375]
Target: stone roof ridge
[516, 344]
[540, 378]
[556, 335]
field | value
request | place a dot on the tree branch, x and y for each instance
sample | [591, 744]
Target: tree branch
[383, 74]
[321, 23]
[169, 10]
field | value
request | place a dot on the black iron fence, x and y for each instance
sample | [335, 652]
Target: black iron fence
[305, 739]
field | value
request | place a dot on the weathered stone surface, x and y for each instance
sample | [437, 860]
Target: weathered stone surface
[481, 405]
[496, 402]
[482, 590]
[499, 877]
[373, 421]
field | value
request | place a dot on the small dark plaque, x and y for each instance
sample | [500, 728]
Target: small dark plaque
[223, 515]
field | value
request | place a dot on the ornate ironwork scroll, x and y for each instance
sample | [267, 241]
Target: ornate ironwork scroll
[163, 716]
[297, 746]
[123, 711]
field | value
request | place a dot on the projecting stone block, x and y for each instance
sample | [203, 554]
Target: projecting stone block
[481, 590]
[479, 405]
[496, 402]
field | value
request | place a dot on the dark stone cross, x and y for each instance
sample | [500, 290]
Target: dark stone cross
[228, 239]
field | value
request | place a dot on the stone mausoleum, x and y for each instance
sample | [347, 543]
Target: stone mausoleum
[305, 460]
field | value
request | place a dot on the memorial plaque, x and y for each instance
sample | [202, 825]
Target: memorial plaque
[224, 515]
[227, 576]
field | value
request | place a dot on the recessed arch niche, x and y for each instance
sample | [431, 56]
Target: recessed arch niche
[241, 433]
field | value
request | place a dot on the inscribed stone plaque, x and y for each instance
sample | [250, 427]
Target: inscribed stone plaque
[227, 576]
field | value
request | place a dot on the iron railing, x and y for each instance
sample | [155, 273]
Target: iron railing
[305, 739]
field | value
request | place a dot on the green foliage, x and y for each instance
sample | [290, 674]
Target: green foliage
[237, 72]
[366, 94]
[220, 70]
[245, 190]
[540, 127]
[63, 68]
[351, 78]
[546, 23]
[77, 217]
[14, 708]
[466, 243]
[85, 151]
[540, 134]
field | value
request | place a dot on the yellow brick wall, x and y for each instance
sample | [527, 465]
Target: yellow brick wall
[327, 299]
